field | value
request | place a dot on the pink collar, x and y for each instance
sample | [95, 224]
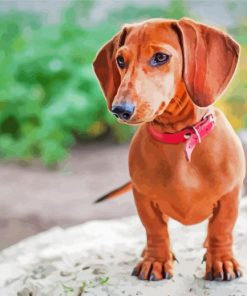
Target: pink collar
[192, 135]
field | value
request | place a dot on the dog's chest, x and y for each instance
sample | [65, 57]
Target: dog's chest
[183, 194]
[163, 168]
[185, 191]
[180, 179]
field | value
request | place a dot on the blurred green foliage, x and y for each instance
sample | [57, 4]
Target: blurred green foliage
[48, 93]
[49, 96]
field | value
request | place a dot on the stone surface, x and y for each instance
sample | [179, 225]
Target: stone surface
[96, 258]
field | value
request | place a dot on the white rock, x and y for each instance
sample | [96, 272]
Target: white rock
[98, 257]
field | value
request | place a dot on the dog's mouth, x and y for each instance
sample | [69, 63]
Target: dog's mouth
[137, 120]
[131, 122]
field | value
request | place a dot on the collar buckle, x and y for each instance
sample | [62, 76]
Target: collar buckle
[187, 136]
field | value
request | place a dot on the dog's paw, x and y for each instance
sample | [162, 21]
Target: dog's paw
[152, 270]
[221, 268]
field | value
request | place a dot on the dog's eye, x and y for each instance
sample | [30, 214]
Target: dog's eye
[159, 58]
[120, 62]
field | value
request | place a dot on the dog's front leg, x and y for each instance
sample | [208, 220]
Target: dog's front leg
[220, 262]
[157, 263]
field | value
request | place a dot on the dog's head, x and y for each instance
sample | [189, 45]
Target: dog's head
[141, 68]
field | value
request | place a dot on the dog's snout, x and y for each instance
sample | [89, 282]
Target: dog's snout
[123, 111]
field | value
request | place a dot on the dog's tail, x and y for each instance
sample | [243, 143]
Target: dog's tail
[120, 190]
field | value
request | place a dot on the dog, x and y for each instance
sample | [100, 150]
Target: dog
[185, 160]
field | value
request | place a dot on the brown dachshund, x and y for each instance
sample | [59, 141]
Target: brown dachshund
[185, 160]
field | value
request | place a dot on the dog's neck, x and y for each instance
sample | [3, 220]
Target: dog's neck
[180, 113]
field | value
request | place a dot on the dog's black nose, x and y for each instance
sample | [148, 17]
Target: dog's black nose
[123, 111]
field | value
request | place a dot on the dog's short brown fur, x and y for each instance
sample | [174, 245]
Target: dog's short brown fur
[171, 97]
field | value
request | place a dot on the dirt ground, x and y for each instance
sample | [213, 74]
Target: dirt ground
[34, 199]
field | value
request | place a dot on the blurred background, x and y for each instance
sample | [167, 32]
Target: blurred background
[60, 148]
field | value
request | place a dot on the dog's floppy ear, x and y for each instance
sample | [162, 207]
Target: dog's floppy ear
[209, 60]
[105, 66]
